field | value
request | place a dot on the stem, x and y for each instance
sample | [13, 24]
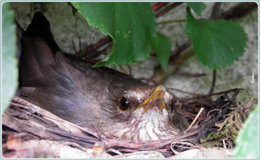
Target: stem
[172, 21]
[214, 75]
[191, 74]
[93, 47]
[187, 53]
[179, 50]
[167, 8]
[195, 119]
[159, 5]
[239, 10]
[215, 11]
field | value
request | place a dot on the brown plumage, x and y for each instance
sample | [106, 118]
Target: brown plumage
[112, 102]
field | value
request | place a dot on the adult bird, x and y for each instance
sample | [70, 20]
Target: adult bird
[112, 102]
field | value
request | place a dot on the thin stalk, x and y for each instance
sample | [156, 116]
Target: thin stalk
[172, 21]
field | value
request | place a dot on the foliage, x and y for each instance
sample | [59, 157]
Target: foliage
[216, 43]
[197, 7]
[162, 46]
[10, 73]
[248, 138]
[131, 25]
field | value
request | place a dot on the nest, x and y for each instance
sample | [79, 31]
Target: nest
[30, 131]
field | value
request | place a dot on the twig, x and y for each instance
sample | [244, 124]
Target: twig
[182, 91]
[167, 8]
[185, 113]
[187, 53]
[172, 21]
[214, 15]
[239, 10]
[79, 43]
[218, 93]
[73, 136]
[90, 57]
[159, 5]
[195, 119]
[215, 11]
[177, 139]
[224, 144]
[191, 74]
[179, 50]
[213, 110]
[184, 144]
[114, 151]
[93, 47]
[74, 48]
[214, 76]
[123, 69]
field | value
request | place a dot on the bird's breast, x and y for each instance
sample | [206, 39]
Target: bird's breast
[151, 125]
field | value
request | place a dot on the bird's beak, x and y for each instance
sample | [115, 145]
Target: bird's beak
[155, 100]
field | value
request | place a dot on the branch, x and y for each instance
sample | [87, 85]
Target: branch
[168, 8]
[184, 55]
[93, 47]
[214, 76]
[158, 6]
[215, 11]
[239, 10]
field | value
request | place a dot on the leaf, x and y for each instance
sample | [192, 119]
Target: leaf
[131, 25]
[10, 73]
[162, 47]
[197, 7]
[247, 140]
[216, 43]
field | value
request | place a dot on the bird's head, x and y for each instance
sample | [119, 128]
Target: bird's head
[138, 112]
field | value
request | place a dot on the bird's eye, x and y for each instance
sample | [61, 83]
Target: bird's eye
[124, 104]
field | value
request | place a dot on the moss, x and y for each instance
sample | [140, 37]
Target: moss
[228, 130]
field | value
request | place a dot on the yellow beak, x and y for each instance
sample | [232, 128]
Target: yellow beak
[156, 99]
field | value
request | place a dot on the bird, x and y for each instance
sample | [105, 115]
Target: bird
[112, 102]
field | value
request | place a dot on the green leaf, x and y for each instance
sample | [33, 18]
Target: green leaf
[197, 7]
[248, 138]
[216, 43]
[131, 25]
[10, 73]
[162, 47]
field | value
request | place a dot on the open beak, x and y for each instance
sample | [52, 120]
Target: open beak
[155, 100]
